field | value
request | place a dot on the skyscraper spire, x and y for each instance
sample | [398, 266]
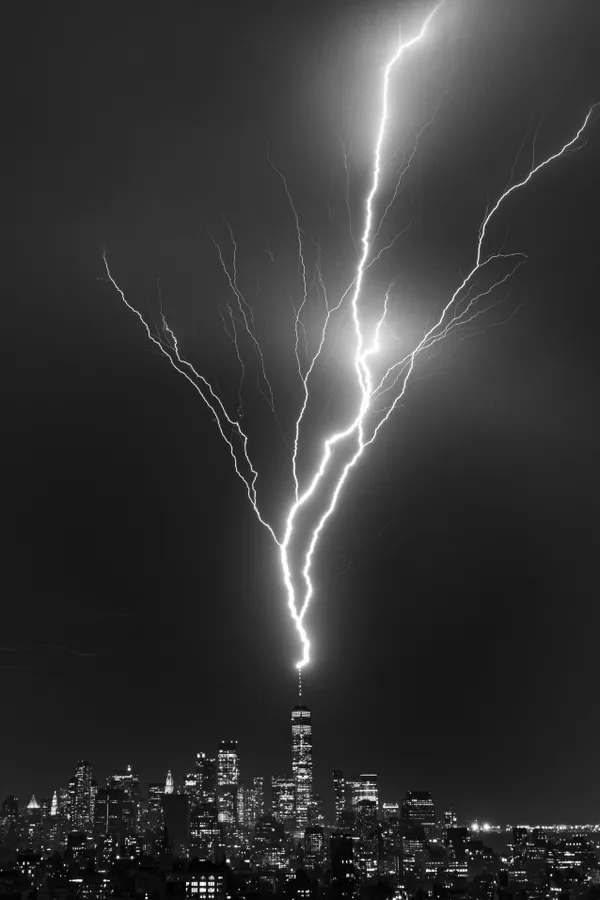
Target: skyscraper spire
[299, 687]
[169, 783]
[54, 807]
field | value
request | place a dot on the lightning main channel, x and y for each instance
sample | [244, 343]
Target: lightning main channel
[324, 488]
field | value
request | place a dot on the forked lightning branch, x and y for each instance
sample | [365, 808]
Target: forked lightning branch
[378, 387]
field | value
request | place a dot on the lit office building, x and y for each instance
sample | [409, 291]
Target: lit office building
[65, 796]
[227, 804]
[343, 874]
[390, 811]
[365, 788]
[156, 792]
[366, 813]
[255, 802]
[339, 793]
[391, 845]
[228, 777]
[418, 809]
[413, 855]
[206, 778]
[314, 846]
[204, 832]
[302, 762]
[81, 797]
[269, 844]
[228, 764]
[283, 797]
[450, 819]
[366, 852]
[190, 786]
[127, 781]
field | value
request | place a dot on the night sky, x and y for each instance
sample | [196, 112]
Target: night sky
[455, 627]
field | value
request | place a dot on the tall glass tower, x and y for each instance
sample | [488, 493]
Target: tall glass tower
[302, 766]
[339, 793]
[228, 780]
[81, 796]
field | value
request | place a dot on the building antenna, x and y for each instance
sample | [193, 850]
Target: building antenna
[300, 687]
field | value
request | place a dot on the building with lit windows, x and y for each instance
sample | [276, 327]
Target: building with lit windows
[269, 845]
[156, 792]
[344, 882]
[413, 855]
[81, 806]
[202, 880]
[365, 788]
[302, 766]
[64, 802]
[190, 786]
[206, 778]
[228, 778]
[314, 846]
[283, 800]
[339, 793]
[366, 813]
[450, 818]
[254, 806]
[228, 764]
[418, 809]
[128, 782]
[390, 811]
[205, 833]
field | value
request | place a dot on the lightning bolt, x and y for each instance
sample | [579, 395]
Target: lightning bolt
[323, 488]
[229, 428]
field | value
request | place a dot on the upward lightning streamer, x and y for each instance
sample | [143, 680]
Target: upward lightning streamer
[378, 393]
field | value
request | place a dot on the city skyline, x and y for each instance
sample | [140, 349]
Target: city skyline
[213, 778]
[231, 791]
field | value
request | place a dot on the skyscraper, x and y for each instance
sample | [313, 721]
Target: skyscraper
[339, 793]
[127, 780]
[177, 823]
[228, 778]
[343, 873]
[283, 799]
[391, 810]
[206, 778]
[254, 802]
[302, 762]
[365, 788]
[258, 786]
[81, 797]
[190, 786]
[228, 763]
[418, 808]
[156, 792]
[65, 796]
